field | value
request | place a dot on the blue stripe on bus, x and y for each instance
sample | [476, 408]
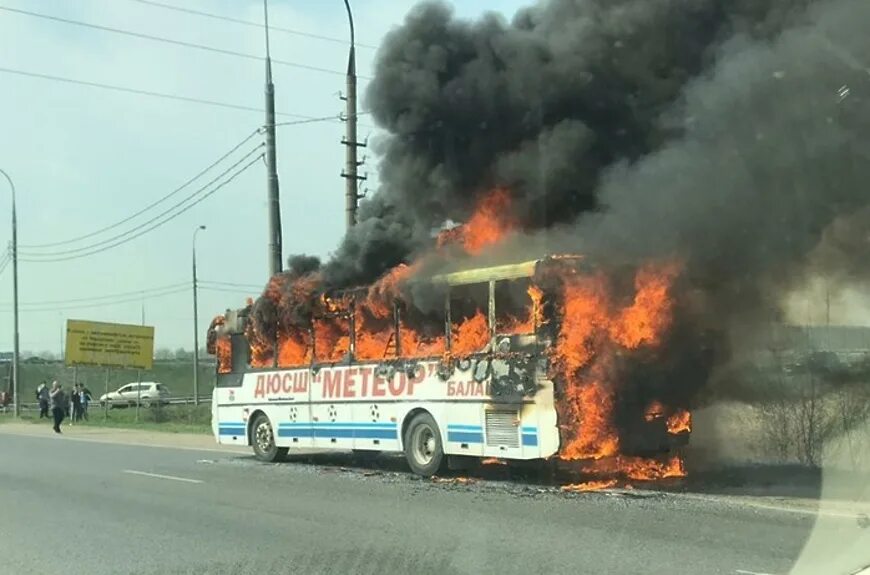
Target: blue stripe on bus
[464, 436]
[530, 440]
[529, 429]
[338, 432]
[459, 427]
[232, 429]
[328, 424]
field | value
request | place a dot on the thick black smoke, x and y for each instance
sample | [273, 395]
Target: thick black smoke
[728, 134]
[767, 182]
[542, 104]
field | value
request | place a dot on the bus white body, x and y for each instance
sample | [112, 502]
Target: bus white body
[362, 407]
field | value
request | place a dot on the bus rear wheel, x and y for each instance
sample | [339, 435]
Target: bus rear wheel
[263, 440]
[423, 448]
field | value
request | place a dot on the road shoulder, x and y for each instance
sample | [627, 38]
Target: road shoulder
[121, 435]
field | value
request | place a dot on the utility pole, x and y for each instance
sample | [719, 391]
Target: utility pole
[352, 178]
[275, 263]
[15, 350]
[195, 325]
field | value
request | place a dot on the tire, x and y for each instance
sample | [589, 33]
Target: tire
[146, 404]
[423, 448]
[263, 440]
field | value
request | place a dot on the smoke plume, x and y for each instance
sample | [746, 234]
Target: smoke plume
[729, 135]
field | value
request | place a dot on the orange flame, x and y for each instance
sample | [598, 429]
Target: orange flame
[648, 317]
[637, 468]
[224, 354]
[589, 486]
[488, 225]
[680, 421]
[590, 332]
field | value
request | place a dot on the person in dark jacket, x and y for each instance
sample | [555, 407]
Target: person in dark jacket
[42, 397]
[58, 404]
[75, 404]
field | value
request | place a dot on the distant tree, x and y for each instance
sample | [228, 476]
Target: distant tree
[163, 353]
[47, 355]
[182, 354]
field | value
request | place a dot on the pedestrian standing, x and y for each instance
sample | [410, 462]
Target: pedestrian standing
[75, 404]
[58, 404]
[42, 398]
[85, 395]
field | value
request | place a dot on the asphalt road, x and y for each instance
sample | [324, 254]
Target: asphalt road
[69, 506]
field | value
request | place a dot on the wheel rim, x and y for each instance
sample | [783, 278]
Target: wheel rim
[423, 444]
[264, 438]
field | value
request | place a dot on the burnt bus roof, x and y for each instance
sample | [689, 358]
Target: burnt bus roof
[510, 271]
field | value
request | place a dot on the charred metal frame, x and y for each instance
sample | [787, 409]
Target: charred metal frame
[490, 305]
[448, 332]
[397, 328]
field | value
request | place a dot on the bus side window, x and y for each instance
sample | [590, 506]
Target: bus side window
[332, 339]
[469, 319]
[240, 353]
[374, 327]
[517, 307]
[422, 332]
[294, 347]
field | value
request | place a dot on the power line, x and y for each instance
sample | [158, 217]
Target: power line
[231, 290]
[155, 218]
[250, 23]
[150, 93]
[335, 117]
[232, 284]
[103, 304]
[151, 205]
[93, 299]
[172, 41]
[5, 262]
[158, 224]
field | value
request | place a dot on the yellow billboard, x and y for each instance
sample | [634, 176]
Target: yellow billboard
[109, 344]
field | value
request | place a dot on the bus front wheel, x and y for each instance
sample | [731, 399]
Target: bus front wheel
[263, 440]
[423, 448]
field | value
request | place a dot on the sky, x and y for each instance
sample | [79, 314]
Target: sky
[83, 158]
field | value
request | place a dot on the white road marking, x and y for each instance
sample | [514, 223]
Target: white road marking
[158, 476]
[746, 502]
[745, 572]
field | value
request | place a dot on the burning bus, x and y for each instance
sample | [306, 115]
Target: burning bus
[517, 361]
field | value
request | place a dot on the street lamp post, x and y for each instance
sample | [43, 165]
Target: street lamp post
[195, 325]
[15, 350]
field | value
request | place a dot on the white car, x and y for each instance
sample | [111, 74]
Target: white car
[147, 393]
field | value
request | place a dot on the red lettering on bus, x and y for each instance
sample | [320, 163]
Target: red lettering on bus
[451, 388]
[275, 383]
[260, 389]
[332, 383]
[397, 387]
[365, 372]
[378, 387]
[287, 383]
[413, 381]
[478, 389]
[350, 382]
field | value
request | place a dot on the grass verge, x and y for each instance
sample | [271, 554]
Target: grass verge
[168, 419]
